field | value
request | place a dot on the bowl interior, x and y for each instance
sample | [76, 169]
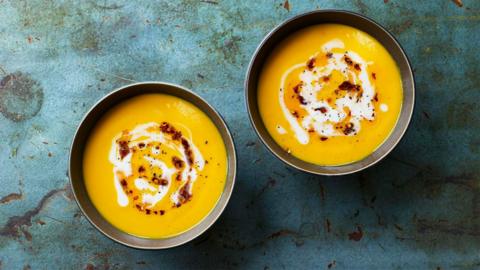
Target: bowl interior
[340, 17]
[76, 167]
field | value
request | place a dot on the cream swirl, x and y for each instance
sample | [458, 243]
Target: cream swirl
[148, 159]
[321, 115]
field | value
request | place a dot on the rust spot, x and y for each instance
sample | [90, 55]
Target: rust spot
[11, 197]
[21, 97]
[356, 235]
[281, 233]
[402, 27]
[249, 144]
[328, 225]
[426, 115]
[270, 183]
[27, 234]
[286, 5]
[322, 192]
[459, 3]
[41, 222]
[16, 223]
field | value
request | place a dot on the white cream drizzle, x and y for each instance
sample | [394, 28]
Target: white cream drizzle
[311, 84]
[152, 194]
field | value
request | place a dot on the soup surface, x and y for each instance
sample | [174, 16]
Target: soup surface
[155, 165]
[330, 94]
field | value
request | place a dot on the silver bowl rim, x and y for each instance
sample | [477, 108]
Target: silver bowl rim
[227, 192]
[402, 128]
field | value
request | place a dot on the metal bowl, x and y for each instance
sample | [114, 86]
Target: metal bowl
[355, 20]
[76, 166]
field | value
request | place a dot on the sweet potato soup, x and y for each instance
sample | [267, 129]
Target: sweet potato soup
[155, 166]
[330, 94]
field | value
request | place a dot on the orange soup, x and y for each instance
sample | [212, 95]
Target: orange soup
[330, 94]
[155, 166]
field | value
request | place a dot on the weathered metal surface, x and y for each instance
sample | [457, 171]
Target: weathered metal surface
[419, 208]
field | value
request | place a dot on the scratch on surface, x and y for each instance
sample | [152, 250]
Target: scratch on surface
[210, 2]
[11, 197]
[443, 226]
[110, 74]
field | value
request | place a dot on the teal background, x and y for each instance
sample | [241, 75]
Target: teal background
[417, 209]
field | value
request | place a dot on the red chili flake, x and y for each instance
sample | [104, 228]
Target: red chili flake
[321, 109]
[124, 150]
[187, 150]
[348, 60]
[162, 212]
[165, 127]
[156, 181]
[295, 113]
[311, 63]
[141, 169]
[130, 191]
[148, 211]
[141, 145]
[329, 55]
[375, 97]
[163, 182]
[301, 99]
[184, 194]
[155, 212]
[323, 138]
[295, 88]
[177, 162]
[206, 142]
[346, 85]
[178, 177]
[123, 182]
[374, 76]
[326, 78]
[348, 129]
[311, 130]
[135, 198]
[357, 67]
[177, 135]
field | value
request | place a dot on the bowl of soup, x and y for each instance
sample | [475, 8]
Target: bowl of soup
[152, 165]
[330, 92]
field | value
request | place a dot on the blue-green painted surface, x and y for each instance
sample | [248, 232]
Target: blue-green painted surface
[417, 209]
